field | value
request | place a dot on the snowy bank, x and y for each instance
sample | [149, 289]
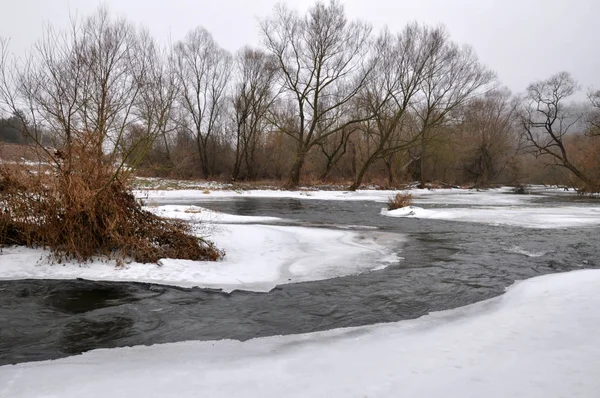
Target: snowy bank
[500, 196]
[528, 217]
[200, 214]
[494, 206]
[539, 340]
[258, 257]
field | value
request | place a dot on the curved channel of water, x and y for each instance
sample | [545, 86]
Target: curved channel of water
[445, 265]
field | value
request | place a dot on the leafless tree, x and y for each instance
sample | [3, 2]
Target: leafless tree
[106, 50]
[593, 117]
[334, 147]
[203, 70]
[451, 77]
[402, 62]
[321, 57]
[488, 135]
[253, 96]
[93, 88]
[546, 121]
[82, 86]
[6, 83]
[154, 106]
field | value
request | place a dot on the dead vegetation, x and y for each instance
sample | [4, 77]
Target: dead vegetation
[400, 200]
[90, 101]
[85, 209]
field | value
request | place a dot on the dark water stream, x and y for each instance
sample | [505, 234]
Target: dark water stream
[445, 265]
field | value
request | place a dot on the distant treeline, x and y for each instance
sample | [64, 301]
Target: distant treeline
[11, 131]
[323, 98]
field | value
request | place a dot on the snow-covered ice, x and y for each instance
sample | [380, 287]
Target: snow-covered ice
[522, 216]
[258, 257]
[494, 206]
[200, 214]
[539, 340]
[500, 196]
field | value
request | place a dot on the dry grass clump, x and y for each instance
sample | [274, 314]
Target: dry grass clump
[399, 201]
[84, 208]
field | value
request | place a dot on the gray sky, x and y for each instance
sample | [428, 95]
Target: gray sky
[522, 40]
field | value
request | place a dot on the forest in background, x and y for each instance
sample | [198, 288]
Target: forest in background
[324, 99]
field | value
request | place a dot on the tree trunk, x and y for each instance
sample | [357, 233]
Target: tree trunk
[164, 135]
[353, 157]
[238, 160]
[390, 171]
[203, 154]
[294, 179]
[250, 159]
[584, 178]
[362, 172]
[328, 168]
[422, 162]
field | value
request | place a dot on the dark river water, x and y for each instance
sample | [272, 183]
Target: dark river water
[445, 265]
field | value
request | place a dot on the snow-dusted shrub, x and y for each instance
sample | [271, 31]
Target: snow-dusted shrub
[400, 200]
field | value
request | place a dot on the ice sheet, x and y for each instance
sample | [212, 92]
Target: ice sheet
[259, 257]
[526, 216]
[200, 214]
[500, 196]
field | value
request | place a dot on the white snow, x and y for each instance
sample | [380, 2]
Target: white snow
[200, 214]
[501, 196]
[490, 197]
[526, 253]
[258, 257]
[190, 194]
[25, 162]
[494, 206]
[522, 216]
[539, 340]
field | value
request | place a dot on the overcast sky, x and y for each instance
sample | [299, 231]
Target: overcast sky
[522, 40]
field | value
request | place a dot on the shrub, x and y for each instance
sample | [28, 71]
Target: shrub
[400, 200]
[83, 207]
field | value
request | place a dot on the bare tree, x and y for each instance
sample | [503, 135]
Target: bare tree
[593, 118]
[158, 91]
[6, 83]
[321, 57]
[88, 87]
[451, 77]
[106, 50]
[203, 70]
[546, 121]
[334, 147]
[488, 135]
[82, 86]
[402, 62]
[253, 97]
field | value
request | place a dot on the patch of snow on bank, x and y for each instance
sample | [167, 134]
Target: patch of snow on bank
[200, 214]
[528, 217]
[539, 340]
[258, 258]
[496, 197]
[472, 197]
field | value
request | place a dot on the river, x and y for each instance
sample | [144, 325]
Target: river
[445, 264]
